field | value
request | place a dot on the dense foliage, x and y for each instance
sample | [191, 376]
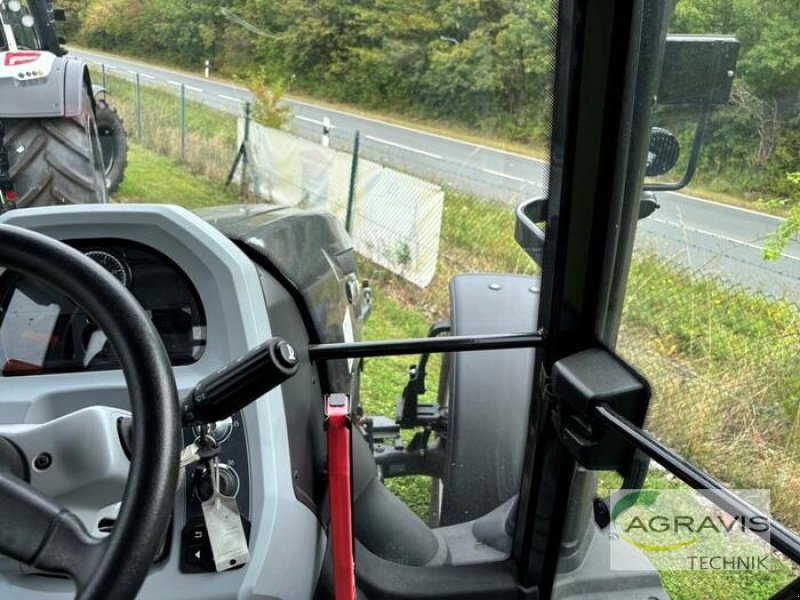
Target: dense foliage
[754, 142]
[483, 63]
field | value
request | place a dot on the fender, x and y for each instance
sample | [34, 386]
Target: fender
[40, 85]
[487, 395]
[76, 80]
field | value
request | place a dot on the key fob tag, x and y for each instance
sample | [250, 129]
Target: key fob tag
[225, 532]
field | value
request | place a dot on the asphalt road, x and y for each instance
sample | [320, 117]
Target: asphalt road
[705, 236]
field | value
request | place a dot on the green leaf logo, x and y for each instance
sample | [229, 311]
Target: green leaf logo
[643, 497]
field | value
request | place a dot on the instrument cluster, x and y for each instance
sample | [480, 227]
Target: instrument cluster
[43, 331]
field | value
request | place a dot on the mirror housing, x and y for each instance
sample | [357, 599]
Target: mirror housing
[698, 69]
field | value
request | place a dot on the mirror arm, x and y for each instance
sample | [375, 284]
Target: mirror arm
[694, 156]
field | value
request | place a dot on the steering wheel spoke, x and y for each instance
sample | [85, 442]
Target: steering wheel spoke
[39, 532]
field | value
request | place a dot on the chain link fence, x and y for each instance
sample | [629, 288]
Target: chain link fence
[394, 218]
[724, 366]
[172, 119]
[478, 171]
[478, 210]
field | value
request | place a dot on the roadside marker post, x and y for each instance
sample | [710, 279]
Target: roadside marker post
[326, 132]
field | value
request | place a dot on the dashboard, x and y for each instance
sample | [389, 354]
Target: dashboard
[210, 303]
[42, 331]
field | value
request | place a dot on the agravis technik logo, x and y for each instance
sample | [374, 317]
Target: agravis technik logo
[680, 529]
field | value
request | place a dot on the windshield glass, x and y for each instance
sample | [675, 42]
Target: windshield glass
[417, 128]
[420, 127]
[19, 28]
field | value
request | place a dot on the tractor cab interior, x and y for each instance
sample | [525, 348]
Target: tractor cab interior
[166, 375]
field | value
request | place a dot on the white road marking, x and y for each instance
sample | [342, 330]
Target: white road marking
[194, 89]
[307, 120]
[719, 236]
[732, 207]
[289, 99]
[125, 60]
[171, 82]
[230, 98]
[511, 177]
[146, 76]
[402, 147]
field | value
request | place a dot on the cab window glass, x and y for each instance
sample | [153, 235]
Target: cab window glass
[18, 23]
[711, 313]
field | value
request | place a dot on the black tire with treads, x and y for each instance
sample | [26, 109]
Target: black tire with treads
[114, 143]
[56, 161]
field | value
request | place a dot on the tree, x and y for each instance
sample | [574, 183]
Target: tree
[777, 242]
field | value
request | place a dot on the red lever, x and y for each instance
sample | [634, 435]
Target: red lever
[337, 414]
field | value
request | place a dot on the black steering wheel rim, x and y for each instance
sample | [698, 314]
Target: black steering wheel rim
[131, 548]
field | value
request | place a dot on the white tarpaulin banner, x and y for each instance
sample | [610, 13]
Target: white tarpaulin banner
[396, 218]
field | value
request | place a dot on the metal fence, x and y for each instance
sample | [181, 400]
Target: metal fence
[724, 365]
[474, 172]
[172, 119]
[393, 218]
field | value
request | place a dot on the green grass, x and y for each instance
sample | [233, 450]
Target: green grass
[210, 136]
[151, 177]
[384, 379]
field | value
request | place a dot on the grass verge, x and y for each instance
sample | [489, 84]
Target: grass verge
[208, 144]
[151, 177]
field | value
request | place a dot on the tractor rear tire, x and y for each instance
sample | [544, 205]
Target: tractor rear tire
[56, 161]
[114, 143]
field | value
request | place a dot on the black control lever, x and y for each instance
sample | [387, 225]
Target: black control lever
[240, 382]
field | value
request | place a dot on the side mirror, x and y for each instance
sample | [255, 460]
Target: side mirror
[698, 70]
[648, 205]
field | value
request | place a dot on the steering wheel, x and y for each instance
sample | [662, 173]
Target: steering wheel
[38, 531]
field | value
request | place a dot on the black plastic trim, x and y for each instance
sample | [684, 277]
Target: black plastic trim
[781, 538]
[452, 343]
[790, 592]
